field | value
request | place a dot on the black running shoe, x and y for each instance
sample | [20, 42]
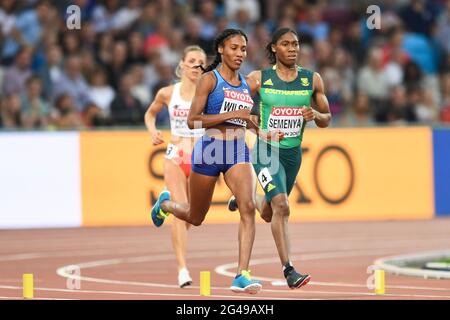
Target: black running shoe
[232, 204]
[296, 280]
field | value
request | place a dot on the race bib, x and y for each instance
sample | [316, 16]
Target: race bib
[264, 177]
[171, 151]
[235, 100]
[178, 124]
[288, 120]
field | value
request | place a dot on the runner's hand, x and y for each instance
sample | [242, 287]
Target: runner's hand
[276, 135]
[243, 114]
[308, 114]
[157, 138]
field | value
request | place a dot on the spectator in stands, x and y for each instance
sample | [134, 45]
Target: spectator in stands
[171, 54]
[92, 116]
[443, 29]
[88, 36]
[145, 24]
[101, 94]
[35, 111]
[73, 83]
[425, 108]
[88, 63]
[445, 97]
[71, 42]
[360, 113]
[412, 75]
[208, 29]
[104, 48]
[128, 14]
[394, 69]
[66, 115]
[104, 15]
[251, 6]
[354, 44]
[126, 109]
[401, 111]
[393, 47]
[160, 38]
[192, 36]
[52, 69]
[139, 90]
[17, 74]
[372, 81]
[118, 65]
[419, 16]
[242, 21]
[135, 48]
[7, 22]
[10, 115]
[314, 25]
[27, 29]
[151, 76]
[346, 76]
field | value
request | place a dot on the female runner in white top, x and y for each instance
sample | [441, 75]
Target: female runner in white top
[177, 164]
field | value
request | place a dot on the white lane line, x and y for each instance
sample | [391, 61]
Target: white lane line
[52, 299]
[267, 245]
[199, 254]
[257, 297]
[21, 256]
[237, 296]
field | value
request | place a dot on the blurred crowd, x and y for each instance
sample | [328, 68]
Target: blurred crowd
[107, 72]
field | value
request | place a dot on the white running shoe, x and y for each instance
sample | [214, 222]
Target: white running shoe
[184, 279]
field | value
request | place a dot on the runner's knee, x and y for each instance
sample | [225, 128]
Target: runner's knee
[281, 208]
[247, 206]
[196, 221]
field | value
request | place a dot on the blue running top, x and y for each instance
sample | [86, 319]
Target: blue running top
[226, 98]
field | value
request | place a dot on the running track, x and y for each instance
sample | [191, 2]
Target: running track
[138, 263]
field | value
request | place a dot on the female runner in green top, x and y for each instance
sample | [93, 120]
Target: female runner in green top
[286, 91]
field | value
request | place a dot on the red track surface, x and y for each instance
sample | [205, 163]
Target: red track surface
[138, 263]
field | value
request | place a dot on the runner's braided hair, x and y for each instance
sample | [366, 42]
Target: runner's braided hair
[219, 41]
[275, 37]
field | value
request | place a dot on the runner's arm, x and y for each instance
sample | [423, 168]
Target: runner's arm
[155, 107]
[321, 108]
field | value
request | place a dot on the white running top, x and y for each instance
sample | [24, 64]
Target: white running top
[178, 111]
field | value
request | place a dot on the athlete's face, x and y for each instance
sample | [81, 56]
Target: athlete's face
[191, 61]
[234, 51]
[287, 48]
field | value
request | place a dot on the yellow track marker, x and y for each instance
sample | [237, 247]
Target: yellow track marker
[205, 283]
[28, 286]
[379, 282]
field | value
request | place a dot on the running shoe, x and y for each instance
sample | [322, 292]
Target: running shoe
[296, 280]
[184, 279]
[158, 214]
[244, 283]
[232, 204]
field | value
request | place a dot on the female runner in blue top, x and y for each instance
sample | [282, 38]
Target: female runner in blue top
[222, 105]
